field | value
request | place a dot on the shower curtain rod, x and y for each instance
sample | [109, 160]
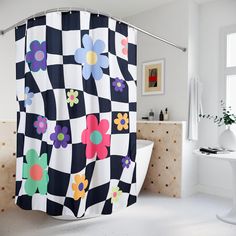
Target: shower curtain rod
[69, 9]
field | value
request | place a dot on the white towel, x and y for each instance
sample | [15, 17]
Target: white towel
[195, 107]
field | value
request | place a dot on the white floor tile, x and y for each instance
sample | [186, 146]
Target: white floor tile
[152, 216]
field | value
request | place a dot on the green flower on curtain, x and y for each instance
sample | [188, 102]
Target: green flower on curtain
[91, 58]
[35, 172]
[72, 97]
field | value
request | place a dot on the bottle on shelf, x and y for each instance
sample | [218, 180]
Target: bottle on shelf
[161, 116]
[151, 115]
[166, 115]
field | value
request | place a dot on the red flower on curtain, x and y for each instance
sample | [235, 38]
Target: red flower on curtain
[96, 138]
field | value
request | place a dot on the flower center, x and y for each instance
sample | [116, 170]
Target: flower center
[96, 137]
[36, 172]
[114, 194]
[81, 186]
[39, 55]
[122, 121]
[91, 57]
[72, 97]
[118, 84]
[60, 136]
[127, 162]
[41, 124]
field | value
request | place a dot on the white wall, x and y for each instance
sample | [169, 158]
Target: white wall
[190, 162]
[178, 22]
[7, 77]
[171, 22]
[214, 176]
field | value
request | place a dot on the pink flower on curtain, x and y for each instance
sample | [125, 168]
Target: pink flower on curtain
[124, 42]
[96, 138]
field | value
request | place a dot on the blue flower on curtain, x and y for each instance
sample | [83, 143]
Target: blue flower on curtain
[28, 96]
[91, 58]
[37, 56]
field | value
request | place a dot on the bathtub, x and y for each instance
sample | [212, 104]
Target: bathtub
[143, 156]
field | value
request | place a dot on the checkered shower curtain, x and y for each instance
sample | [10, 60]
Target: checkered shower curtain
[76, 119]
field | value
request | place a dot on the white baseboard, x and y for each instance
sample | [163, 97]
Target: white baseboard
[221, 192]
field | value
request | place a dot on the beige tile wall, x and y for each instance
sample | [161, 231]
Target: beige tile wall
[164, 173]
[7, 164]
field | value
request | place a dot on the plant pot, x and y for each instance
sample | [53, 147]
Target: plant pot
[227, 140]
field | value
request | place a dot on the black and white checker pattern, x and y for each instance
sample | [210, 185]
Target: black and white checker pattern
[63, 34]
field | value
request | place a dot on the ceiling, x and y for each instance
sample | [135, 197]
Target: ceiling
[11, 11]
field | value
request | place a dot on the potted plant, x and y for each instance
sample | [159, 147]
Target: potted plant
[227, 139]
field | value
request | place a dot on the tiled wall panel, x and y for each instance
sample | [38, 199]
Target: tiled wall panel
[164, 173]
[7, 164]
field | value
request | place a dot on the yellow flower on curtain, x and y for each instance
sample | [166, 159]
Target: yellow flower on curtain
[122, 121]
[79, 187]
[115, 194]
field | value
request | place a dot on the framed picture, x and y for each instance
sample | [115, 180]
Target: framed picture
[153, 77]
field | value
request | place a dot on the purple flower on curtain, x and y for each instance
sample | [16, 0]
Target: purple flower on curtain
[41, 125]
[118, 84]
[91, 58]
[60, 137]
[37, 56]
[126, 161]
[28, 96]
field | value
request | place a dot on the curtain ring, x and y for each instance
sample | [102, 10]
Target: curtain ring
[98, 14]
[70, 11]
[120, 20]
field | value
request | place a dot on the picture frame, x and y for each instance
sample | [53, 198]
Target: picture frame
[153, 77]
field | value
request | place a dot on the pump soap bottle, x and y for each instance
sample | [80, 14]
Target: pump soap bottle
[166, 115]
[151, 115]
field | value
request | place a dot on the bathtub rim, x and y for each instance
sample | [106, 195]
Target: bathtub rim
[147, 143]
